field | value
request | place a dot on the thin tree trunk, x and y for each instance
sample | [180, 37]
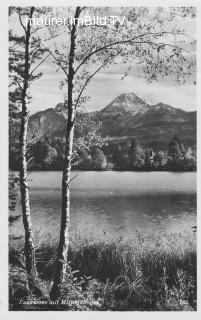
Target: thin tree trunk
[62, 253]
[29, 249]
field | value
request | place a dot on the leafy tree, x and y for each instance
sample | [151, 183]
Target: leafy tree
[160, 160]
[176, 148]
[136, 155]
[14, 119]
[50, 157]
[99, 161]
[14, 103]
[189, 161]
[25, 55]
[86, 161]
[179, 159]
[175, 153]
[59, 145]
[144, 38]
[87, 134]
[44, 154]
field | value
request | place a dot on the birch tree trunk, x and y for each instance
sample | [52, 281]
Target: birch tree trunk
[29, 249]
[62, 253]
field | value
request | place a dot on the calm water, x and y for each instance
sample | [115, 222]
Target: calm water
[116, 201]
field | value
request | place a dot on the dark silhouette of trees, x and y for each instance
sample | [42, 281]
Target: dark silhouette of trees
[120, 159]
[44, 154]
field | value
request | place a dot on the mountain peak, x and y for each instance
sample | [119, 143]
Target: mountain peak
[125, 117]
[126, 103]
[162, 107]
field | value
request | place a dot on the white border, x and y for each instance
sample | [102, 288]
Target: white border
[4, 313]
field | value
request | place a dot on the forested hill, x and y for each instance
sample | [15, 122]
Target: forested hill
[126, 117]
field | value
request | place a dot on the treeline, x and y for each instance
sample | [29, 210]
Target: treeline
[135, 157]
[48, 154]
[132, 156]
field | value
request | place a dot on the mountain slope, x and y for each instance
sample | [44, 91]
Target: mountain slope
[50, 122]
[128, 116]
[116, 114]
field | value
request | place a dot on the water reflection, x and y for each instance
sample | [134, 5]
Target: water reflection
[117, 201]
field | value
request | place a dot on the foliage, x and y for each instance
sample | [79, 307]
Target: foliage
[43, 154]
[48, 154]
[25, 56]
[99, 161]
[13, 182]
[160, 160]
[179, 159]
[136, 155]
[120, 159]
[87, 134]
[162, 49]
[17, 52]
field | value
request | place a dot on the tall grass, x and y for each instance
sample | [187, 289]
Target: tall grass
[151, 272]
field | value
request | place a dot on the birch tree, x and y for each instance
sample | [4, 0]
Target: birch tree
[146, 37]
[25, 56]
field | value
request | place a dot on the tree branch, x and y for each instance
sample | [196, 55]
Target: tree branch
[123, 42]
[38, 65]
[29, 160]
[92, 75]
[72, 179]
[104, 64]
[35, 50]
[59, 63]
[19, 84]
[31, 141]
[20, 18]
[151, 43]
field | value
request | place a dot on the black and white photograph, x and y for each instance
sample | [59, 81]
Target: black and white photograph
[102, 158]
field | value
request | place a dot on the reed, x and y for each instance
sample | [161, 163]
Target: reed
[149, 272]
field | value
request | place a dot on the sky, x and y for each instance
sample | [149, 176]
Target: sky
[108, 84]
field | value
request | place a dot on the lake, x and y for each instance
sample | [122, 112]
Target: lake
[115, 202]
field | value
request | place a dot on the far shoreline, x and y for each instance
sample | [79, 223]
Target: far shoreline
[107, 170]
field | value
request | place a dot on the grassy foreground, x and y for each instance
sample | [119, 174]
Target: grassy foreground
[151, 272]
